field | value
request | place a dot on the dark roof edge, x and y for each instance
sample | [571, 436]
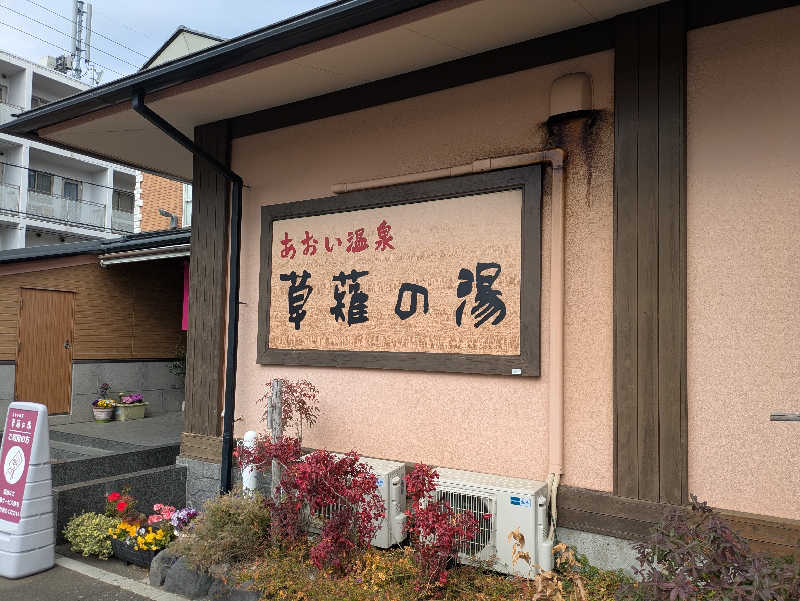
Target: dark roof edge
[158, 239]
[325, 21]
[51, 251]
[181, 29]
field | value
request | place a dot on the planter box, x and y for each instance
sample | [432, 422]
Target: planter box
[127, 554]
[103, 415]
[127, 412]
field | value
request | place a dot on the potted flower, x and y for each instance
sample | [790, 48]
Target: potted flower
[182, 519]
[130, 406]
[102, 406]
[137, 538]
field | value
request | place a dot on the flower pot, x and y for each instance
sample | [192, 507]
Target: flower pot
[129, 555]
[128, 412]
[103, 414]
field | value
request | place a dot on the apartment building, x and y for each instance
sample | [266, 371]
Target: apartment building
[49, 195]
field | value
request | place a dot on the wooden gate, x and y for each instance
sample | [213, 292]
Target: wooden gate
[44, 349]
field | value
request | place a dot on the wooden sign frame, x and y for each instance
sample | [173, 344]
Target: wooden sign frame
[527, 363]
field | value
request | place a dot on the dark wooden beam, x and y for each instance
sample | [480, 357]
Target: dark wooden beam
[650, 443]
[702, 13]
[208, 271]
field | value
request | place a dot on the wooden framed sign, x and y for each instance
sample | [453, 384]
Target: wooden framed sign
[442, 275]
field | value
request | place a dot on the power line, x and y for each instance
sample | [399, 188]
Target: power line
[105, 37]
[69, 35]
[69, 177]
[36, 37]
[125, 25]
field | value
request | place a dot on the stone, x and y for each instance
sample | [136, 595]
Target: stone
[160, 566]
[185, 579]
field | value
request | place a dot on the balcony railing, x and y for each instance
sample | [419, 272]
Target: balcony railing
[7, 110]
[60, 208]
[9, 197]
[121, 221]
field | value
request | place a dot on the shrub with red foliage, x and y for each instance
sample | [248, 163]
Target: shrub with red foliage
[437, 532]
[348, 489]
[343, 486]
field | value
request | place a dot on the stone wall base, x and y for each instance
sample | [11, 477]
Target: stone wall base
[606, 552]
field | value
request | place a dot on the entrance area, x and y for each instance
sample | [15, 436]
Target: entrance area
[44, 349]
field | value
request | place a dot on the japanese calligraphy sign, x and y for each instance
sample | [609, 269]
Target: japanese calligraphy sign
[401, 276]
[14, 461]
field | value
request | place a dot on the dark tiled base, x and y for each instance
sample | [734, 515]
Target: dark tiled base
[165, 485]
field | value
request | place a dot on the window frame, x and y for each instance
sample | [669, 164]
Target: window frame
[35, 188]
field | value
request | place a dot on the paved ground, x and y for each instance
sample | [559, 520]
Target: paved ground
[75, 578]
[148, 432]
[61, 584]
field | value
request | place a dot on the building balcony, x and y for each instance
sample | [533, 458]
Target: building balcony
[121, 221]
[66, 210]
[7, 110]
[9, 197]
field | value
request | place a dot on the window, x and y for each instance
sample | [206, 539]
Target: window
[37, 101]
[122, 200]
[187, 205]
[3, 93]
[39, 181]
[72, 189]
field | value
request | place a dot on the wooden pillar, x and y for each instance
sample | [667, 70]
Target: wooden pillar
[650, 446]
[208, 272]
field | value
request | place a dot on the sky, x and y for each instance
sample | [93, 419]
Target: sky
[125, 33]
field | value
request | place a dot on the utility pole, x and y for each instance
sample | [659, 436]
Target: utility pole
[77, 38]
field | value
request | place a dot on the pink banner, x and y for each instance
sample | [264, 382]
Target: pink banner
[16, 455]
[185, 316]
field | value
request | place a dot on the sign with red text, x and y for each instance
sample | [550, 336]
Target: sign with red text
[437, 277]
[14, 461]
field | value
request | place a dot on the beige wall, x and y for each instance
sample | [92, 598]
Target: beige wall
[483, 423]
[744, 263]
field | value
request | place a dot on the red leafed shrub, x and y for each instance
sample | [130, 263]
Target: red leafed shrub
[321, 483]
[437, 532]
[347, 489]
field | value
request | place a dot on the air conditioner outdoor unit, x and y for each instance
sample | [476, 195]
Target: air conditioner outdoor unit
[512, 518]
[392, 490]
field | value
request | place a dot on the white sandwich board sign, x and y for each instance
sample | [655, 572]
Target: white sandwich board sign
[27, 530]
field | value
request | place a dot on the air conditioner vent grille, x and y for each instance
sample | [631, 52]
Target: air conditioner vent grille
[482, 507]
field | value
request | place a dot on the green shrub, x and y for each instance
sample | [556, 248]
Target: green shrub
[88, 534]
[230, 529]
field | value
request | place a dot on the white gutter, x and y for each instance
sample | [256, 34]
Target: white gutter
[145, 254]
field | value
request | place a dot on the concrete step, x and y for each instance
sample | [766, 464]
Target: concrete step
[104, 463]
[165, 484]
[92, 441]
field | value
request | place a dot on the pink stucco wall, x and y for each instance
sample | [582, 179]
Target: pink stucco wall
[743, 263]
[482, 423]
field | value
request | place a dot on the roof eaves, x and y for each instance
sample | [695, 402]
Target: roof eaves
[322, 22]
[51, 251]
[156, 239]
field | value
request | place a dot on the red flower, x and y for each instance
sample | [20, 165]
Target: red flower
[114, 496]
[122, 506]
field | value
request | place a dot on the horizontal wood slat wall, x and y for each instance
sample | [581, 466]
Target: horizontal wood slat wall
[129, 311]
